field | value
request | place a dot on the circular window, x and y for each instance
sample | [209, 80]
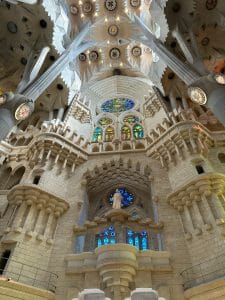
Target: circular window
[117, 105]
[113, 30]
[127, 200]
[211, 4]
[205, 41]
[135, 3]
[73, 10]
[114, 53]
[93, 56]
[110, 4]
[82, 57]
[136, 51]
[87, 7]
[12, 27]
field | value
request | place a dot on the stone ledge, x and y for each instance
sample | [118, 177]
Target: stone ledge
[15, 290]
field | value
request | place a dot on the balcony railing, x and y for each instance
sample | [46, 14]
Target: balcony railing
[204, 272]
[28, 274]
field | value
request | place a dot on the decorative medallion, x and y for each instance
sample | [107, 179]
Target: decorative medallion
[87, 7]
[22, 112]
[73, 10]
[114, 53]
[113, 30]
[110, 4]
[12, 27]
[220, 78]
[82, 57]
[197, 95]
[135, 3]
[211, 4]
[93, 56]
[136, 51]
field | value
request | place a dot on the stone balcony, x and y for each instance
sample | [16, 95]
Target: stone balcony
[118, 266]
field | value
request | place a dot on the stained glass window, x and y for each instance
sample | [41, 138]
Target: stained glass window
[138, 131]
[106, 237]
[127, 200]
[131, 119]
[125, 133]
[97, 135]
[139, 240]
[109, 134]
[105, 121]
[117, 105]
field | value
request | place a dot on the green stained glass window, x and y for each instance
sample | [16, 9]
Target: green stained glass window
[109, 134]
[138, 131]
[131, 119]
[125, 133]
[117, 105]
[105, 121]
[97, 135]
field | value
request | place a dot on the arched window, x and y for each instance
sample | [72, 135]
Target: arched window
[109, 134]
[139, 240]
[97, 135]
[138, 131]
[106, 237]
[127, 200]
[125, 133]
[4, 259]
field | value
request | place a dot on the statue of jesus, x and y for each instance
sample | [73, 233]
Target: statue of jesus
[117, 199]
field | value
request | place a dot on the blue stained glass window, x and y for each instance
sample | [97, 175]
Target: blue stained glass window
[97, 135]
[139, 240]
[117, 105]
[127, 200]
[138, 131]
[106, 237]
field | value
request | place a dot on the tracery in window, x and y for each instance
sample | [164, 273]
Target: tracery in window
[131, 119]
[109, 134]
[128, 198]
[139, 240]
[105, 121]
[97, 135]
[138, 131]
[106, 237]
[125, 133]
[117, 105]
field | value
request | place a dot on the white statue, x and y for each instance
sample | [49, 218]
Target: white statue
[117, 198]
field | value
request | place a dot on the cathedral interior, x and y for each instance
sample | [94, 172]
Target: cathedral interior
[112, 149]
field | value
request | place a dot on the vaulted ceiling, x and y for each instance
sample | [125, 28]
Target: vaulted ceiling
[26, 28]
